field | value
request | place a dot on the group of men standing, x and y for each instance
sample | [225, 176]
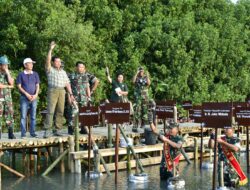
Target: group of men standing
[79, 87]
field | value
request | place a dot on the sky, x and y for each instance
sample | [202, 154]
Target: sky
[234, 1]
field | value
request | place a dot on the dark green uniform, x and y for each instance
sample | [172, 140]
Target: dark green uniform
[6, 106]
[79, 84]
[173, 153]
[141, 100]
[114, 95]
[230, 176]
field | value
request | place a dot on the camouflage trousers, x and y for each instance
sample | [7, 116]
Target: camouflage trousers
[140, 112]
[68, 113]
[231, 179]
[6, 112]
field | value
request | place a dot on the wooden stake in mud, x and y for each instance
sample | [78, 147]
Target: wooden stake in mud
[62, 167]
[117, 113]
[89, 116]
[247, 148]
[89, 149]
[215, 159]
[201, 148]
[117, 134]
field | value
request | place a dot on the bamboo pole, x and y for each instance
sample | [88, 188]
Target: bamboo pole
[0, 168]
[247, 148]
[221, 174]
[215, 159]
[0, 177]
[175, 114]
[128, 160]
[77, 148]
[89, 148]
[71, 149]
[62, 167]
[49, 153]
[185, 155]
[101, 158]
[201, 147]
[55, 162]
[110, 145]
[39, 153]
[117, 152]
[11, 170]
[131, 148]
[195, 149]
[32, 162]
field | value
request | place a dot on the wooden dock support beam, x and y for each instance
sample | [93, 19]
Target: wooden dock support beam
[11, 170]
[195, 149]
[128, 160]
[71, 165]
[62, 167]
[55, 162]
[131, 148]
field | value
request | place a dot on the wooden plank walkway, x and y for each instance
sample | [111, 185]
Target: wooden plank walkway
[100, 134]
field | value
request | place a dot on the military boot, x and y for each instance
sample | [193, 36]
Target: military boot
[11, 134]
[70, 130]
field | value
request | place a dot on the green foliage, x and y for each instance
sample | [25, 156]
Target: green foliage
[194, 49]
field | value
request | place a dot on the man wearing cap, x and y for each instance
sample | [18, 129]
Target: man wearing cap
[57, 82]
[171, 149]
[229, 153]
[6, 106]
[141, 82]
[28, 85]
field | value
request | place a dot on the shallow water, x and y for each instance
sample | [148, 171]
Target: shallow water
[195, 180]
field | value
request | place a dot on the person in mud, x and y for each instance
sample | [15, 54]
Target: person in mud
[229, 153]
[172, 144]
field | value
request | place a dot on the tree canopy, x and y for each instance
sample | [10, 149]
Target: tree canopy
[193, 49]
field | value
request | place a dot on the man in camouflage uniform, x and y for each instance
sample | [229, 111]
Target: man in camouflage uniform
[232, 143]
[80, 88]
[174, 142]
[6, 106]
[142, 83]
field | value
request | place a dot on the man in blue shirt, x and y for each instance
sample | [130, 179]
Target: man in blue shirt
[28, 85]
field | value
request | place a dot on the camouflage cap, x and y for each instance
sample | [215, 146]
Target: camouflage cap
[4, 60]
[151, 103]
[173, 125]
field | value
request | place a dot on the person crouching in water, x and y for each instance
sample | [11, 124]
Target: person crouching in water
[229, 153]
[171, 147]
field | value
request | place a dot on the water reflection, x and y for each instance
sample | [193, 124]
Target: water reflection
[194, 177]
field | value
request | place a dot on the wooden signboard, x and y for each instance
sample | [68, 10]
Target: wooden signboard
[238, 105]
[187, 105]
[165, 109]
[217, 115]
[196, 114]
[89, 116]
[242, 116]
[117, 113]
